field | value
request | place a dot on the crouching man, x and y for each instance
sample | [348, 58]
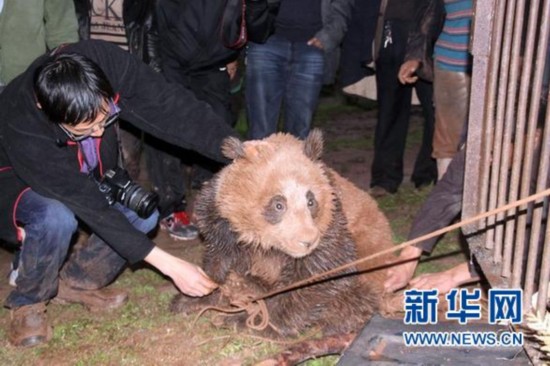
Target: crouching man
[58, 142]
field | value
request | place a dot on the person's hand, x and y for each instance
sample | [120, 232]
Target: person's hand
[400, 274]
[188, 277]
[315, 42]
[407, 72]
[191, 279]
[443, 281]
[232, 69]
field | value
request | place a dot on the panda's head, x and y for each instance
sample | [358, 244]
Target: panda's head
[276, 193]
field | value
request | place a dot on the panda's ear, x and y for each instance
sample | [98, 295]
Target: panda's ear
[232, 148]
[313, 144]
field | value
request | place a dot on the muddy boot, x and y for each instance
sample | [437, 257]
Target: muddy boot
[29, 325]
[93, 300]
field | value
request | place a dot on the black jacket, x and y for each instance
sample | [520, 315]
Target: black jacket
[190, 37]
[139, 19]
[31, 155]
[429, 19]
[260, 19]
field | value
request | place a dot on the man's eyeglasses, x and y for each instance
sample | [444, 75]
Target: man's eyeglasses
[111, 118]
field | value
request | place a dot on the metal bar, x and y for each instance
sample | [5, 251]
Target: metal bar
[542, 176]
[489, 117]
[514, 141]
[527, 171]
[485, 67]
[544, 275]
[502, 147]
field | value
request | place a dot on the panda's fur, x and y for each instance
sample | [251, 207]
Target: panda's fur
[276, 215]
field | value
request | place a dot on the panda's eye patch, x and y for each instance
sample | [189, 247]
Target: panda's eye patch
[312, 203]
[275, 209]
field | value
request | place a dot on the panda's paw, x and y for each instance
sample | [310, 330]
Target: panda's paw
[186, 305]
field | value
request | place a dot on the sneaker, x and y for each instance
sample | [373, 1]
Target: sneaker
[14, 273]
[94, 300]
[29, 325]
[179, 226]
[14, 269]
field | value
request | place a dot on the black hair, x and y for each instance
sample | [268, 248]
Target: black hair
[71, 88]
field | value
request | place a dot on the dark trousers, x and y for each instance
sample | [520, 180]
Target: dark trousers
[443, 204]
[165, 163]
[49, 226]
[394, 106]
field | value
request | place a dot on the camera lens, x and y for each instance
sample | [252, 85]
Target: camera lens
[141, 201]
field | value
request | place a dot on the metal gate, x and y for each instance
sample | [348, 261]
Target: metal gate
[508, 146]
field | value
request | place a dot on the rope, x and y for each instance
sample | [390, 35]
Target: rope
[433, 234]
[258, 315]
[256, 307]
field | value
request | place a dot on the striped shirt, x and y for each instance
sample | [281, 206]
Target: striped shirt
[451, 49]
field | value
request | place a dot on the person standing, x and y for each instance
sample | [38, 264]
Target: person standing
[286, 60]
[451, 74]
[193, 54]
[394, 103]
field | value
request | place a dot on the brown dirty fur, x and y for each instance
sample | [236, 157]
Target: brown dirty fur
[277, 215]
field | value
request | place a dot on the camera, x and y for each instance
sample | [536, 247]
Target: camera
[118, 187]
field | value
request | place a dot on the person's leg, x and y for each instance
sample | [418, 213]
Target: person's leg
[96, 264]
[213, 87]
[131, 145]
[425, 168]
[265, 85]
[303, 85]
[451, 97]
[394, 105]
[49, 226]
[166, 174]
[443, 204]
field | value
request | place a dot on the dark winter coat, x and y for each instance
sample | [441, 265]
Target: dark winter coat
[429, 19]
[31, 154]
[190, 35]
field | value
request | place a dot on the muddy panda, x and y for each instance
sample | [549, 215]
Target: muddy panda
[276, 215]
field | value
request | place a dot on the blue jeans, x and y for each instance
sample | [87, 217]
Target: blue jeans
[280, 72]
[49, 226]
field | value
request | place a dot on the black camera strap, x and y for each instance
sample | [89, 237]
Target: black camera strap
[121, 162]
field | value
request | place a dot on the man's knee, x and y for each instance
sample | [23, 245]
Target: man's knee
[58, 218]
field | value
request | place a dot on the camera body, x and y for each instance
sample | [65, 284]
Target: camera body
[117, 186]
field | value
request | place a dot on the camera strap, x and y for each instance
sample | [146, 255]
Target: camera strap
[121, 163]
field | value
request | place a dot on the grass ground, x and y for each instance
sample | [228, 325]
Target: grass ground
[143, 332]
